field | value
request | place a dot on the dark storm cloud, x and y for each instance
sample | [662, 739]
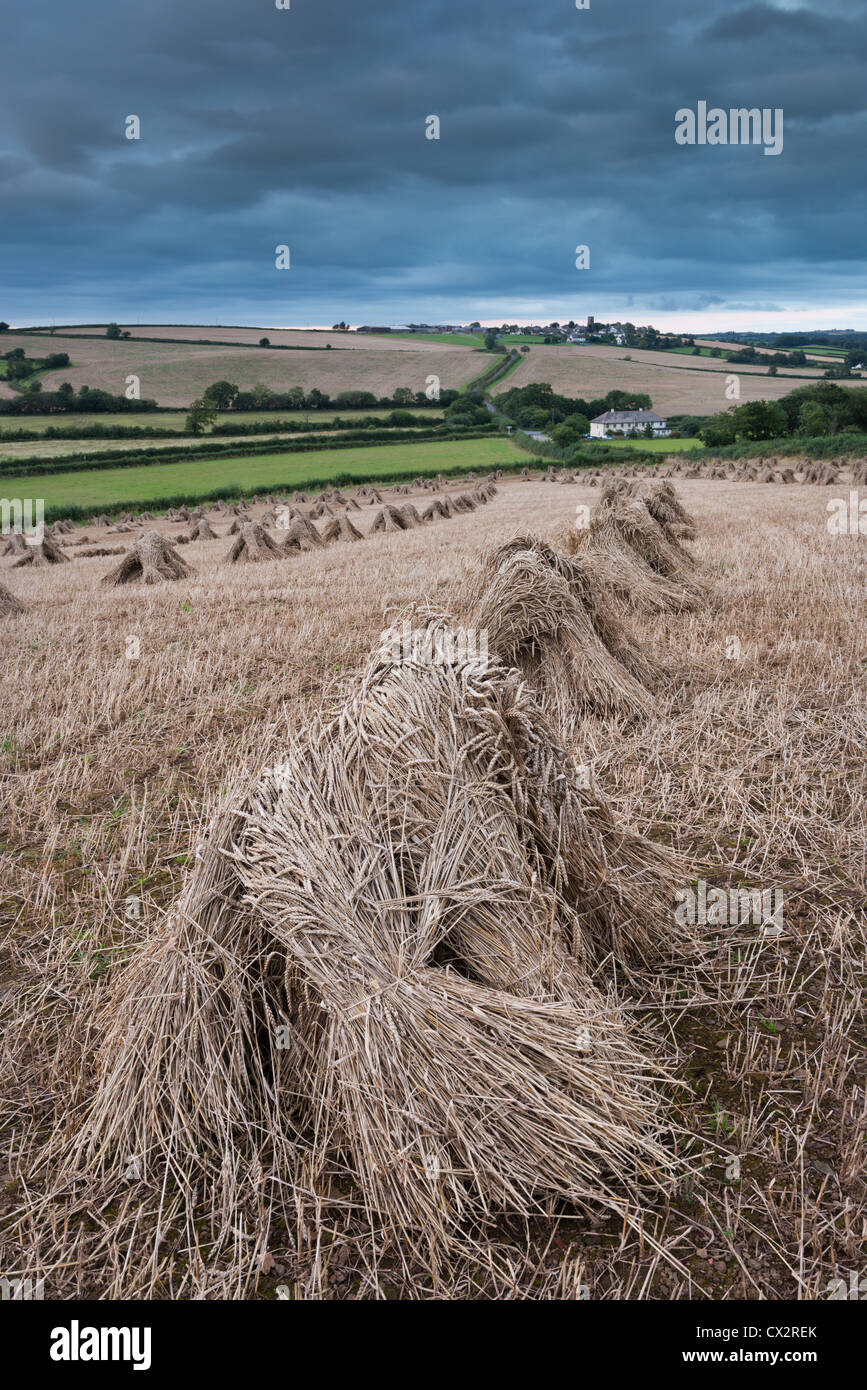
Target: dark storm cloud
[306, 126]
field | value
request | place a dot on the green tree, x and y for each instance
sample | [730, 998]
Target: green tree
[220, 394]
[199, 417]
[571, 431]
[760, 420]
[813, 418]
[855, 407]
[534, 418]
[17, 367]
[627, 400]
[718, 430]
[113, 330]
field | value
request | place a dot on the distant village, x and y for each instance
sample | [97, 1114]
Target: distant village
[616, 334]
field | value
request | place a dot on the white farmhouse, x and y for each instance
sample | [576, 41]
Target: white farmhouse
[616, 423]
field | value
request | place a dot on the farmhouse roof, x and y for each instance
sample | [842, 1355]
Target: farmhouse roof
[628, 417]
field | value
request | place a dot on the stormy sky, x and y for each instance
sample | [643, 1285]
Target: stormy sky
[306, 127]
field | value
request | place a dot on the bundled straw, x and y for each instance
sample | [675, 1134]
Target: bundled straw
[437, 509]
[415, 897]
[463, 503]
[47, 552]
[388, 519]
[302, 535]
[340, 528]
[9, 604]
[545, 615]
[151, 560]
[252, 545]
[635, 559]
[15, 544]
[666, 507]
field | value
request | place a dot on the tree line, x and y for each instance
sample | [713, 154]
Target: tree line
[813, 411]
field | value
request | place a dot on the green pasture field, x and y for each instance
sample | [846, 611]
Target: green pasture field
[106, 487]
[655, 446]
[819, 350]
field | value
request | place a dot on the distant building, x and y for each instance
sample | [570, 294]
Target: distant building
[616, 423]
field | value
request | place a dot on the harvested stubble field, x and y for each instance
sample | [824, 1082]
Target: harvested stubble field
[279, 337]
[677, 385]
[751, 768]
[819, 356]
[686, 362]
[173, 374]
